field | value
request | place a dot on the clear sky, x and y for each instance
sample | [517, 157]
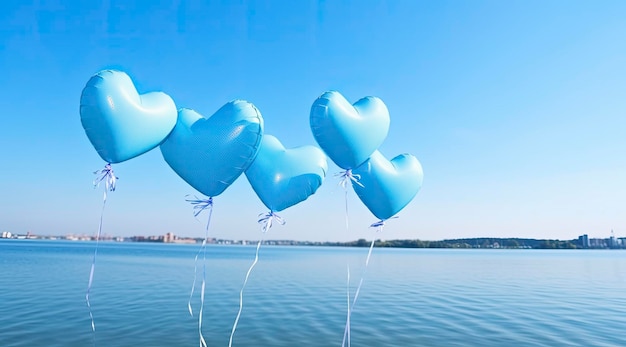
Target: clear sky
[516, 110]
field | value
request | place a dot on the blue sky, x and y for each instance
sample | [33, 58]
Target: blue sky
[516, 110]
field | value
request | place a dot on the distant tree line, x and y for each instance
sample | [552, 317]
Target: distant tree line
[481, 242]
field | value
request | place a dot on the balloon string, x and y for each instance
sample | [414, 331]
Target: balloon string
[266, 222]
[346, 336]
[200, 205]
[107, 176]
[245, 282]
[346, 214]
[346, 333]
[202, 341]
[91, 272]
[380, 225]
[195, 275]
[345, 178]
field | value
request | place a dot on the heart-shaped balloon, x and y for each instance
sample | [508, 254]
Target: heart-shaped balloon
[120, 123]
[284, 177]
[349, 134]
[388, 186]
[210, 153]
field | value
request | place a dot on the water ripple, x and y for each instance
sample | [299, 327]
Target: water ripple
[296, 295]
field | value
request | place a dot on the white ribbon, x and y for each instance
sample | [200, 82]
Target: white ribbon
[266, 220]
[346, 333]
[200, 205]
[109, 179]
[345, 178]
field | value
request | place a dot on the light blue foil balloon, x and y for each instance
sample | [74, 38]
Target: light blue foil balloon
[120, 123]
[388, 186]
[349, 134]
[211, 153]
[284, 177]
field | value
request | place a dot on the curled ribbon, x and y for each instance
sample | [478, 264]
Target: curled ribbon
[346, 177]
[108, 177]
[268, 219]
[200, 205]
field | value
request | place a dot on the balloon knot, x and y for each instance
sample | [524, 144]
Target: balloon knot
[346, 177]
[381, 223]
[199, 205]
[107, 176]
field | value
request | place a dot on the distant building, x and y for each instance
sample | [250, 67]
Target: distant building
[584, 240]
[169, 237]
[612, 241]
[598, 243]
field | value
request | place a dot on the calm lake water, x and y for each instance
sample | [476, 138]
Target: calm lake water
[296, 296]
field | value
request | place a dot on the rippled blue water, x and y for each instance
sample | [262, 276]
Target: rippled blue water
[296, 296]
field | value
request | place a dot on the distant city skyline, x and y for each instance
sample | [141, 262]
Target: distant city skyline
[585, 240]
